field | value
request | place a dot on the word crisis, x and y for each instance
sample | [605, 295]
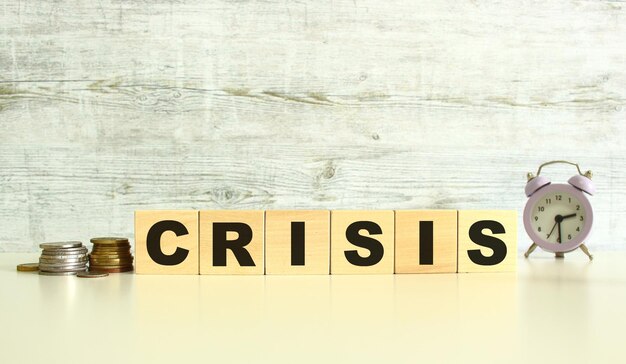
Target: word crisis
[325, 242]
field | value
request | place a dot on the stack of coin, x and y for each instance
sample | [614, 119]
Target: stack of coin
[62, 258]
[110, 255]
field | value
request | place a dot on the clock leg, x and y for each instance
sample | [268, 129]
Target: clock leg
[530, 249]
[559, 255]
[583, 247]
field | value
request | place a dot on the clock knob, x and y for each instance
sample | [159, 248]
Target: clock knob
[583, 183]
[534, 184]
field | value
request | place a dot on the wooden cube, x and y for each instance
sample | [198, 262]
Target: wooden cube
[426, 241]
[487, 241]
[297, 242]
[362, 242]
[232, 242]
[166, 242]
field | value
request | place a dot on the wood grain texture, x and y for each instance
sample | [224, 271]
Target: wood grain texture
[170, 242]
[315, 242]
[235, 259]
[373, 229]
[505, 231]
[408, 241]
[116, 106]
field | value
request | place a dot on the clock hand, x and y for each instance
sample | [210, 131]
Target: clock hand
[557, 220]
[551, 230]
[560, 219]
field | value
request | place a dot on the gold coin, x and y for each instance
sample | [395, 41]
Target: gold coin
[112, 247]
[121, 252]
[113, 260]
[110, 251]
[111, 270]
[109, 241]
[109, 266]
[111, 256]
[28, 267]
[100, 252]
[110, 244]
[99, 268]
[115, 257]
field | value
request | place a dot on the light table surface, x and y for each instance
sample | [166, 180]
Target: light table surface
[567, 310]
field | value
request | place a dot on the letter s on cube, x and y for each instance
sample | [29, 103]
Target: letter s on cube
[487, 241]
[166, 242]
[362, 242]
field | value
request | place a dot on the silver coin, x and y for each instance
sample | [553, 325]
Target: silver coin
[65, 250]
[62, 265]
[61, 245]
[61, 268]
[63, 260]
[63, 256]
[92, 274]
[68, 251]
[44, 273]
[63, 271]
[66, 256]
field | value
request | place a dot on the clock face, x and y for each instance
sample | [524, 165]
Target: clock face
[558, 217]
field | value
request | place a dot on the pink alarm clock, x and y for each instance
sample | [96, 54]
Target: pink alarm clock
[558, 216]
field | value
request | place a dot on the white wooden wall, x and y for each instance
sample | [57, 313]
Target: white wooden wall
[111, 106]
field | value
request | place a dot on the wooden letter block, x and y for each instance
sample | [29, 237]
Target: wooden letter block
[487, 241]
[166, 242]
[362, 242]
[232, 242]
[297, 242]
[426, 241]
